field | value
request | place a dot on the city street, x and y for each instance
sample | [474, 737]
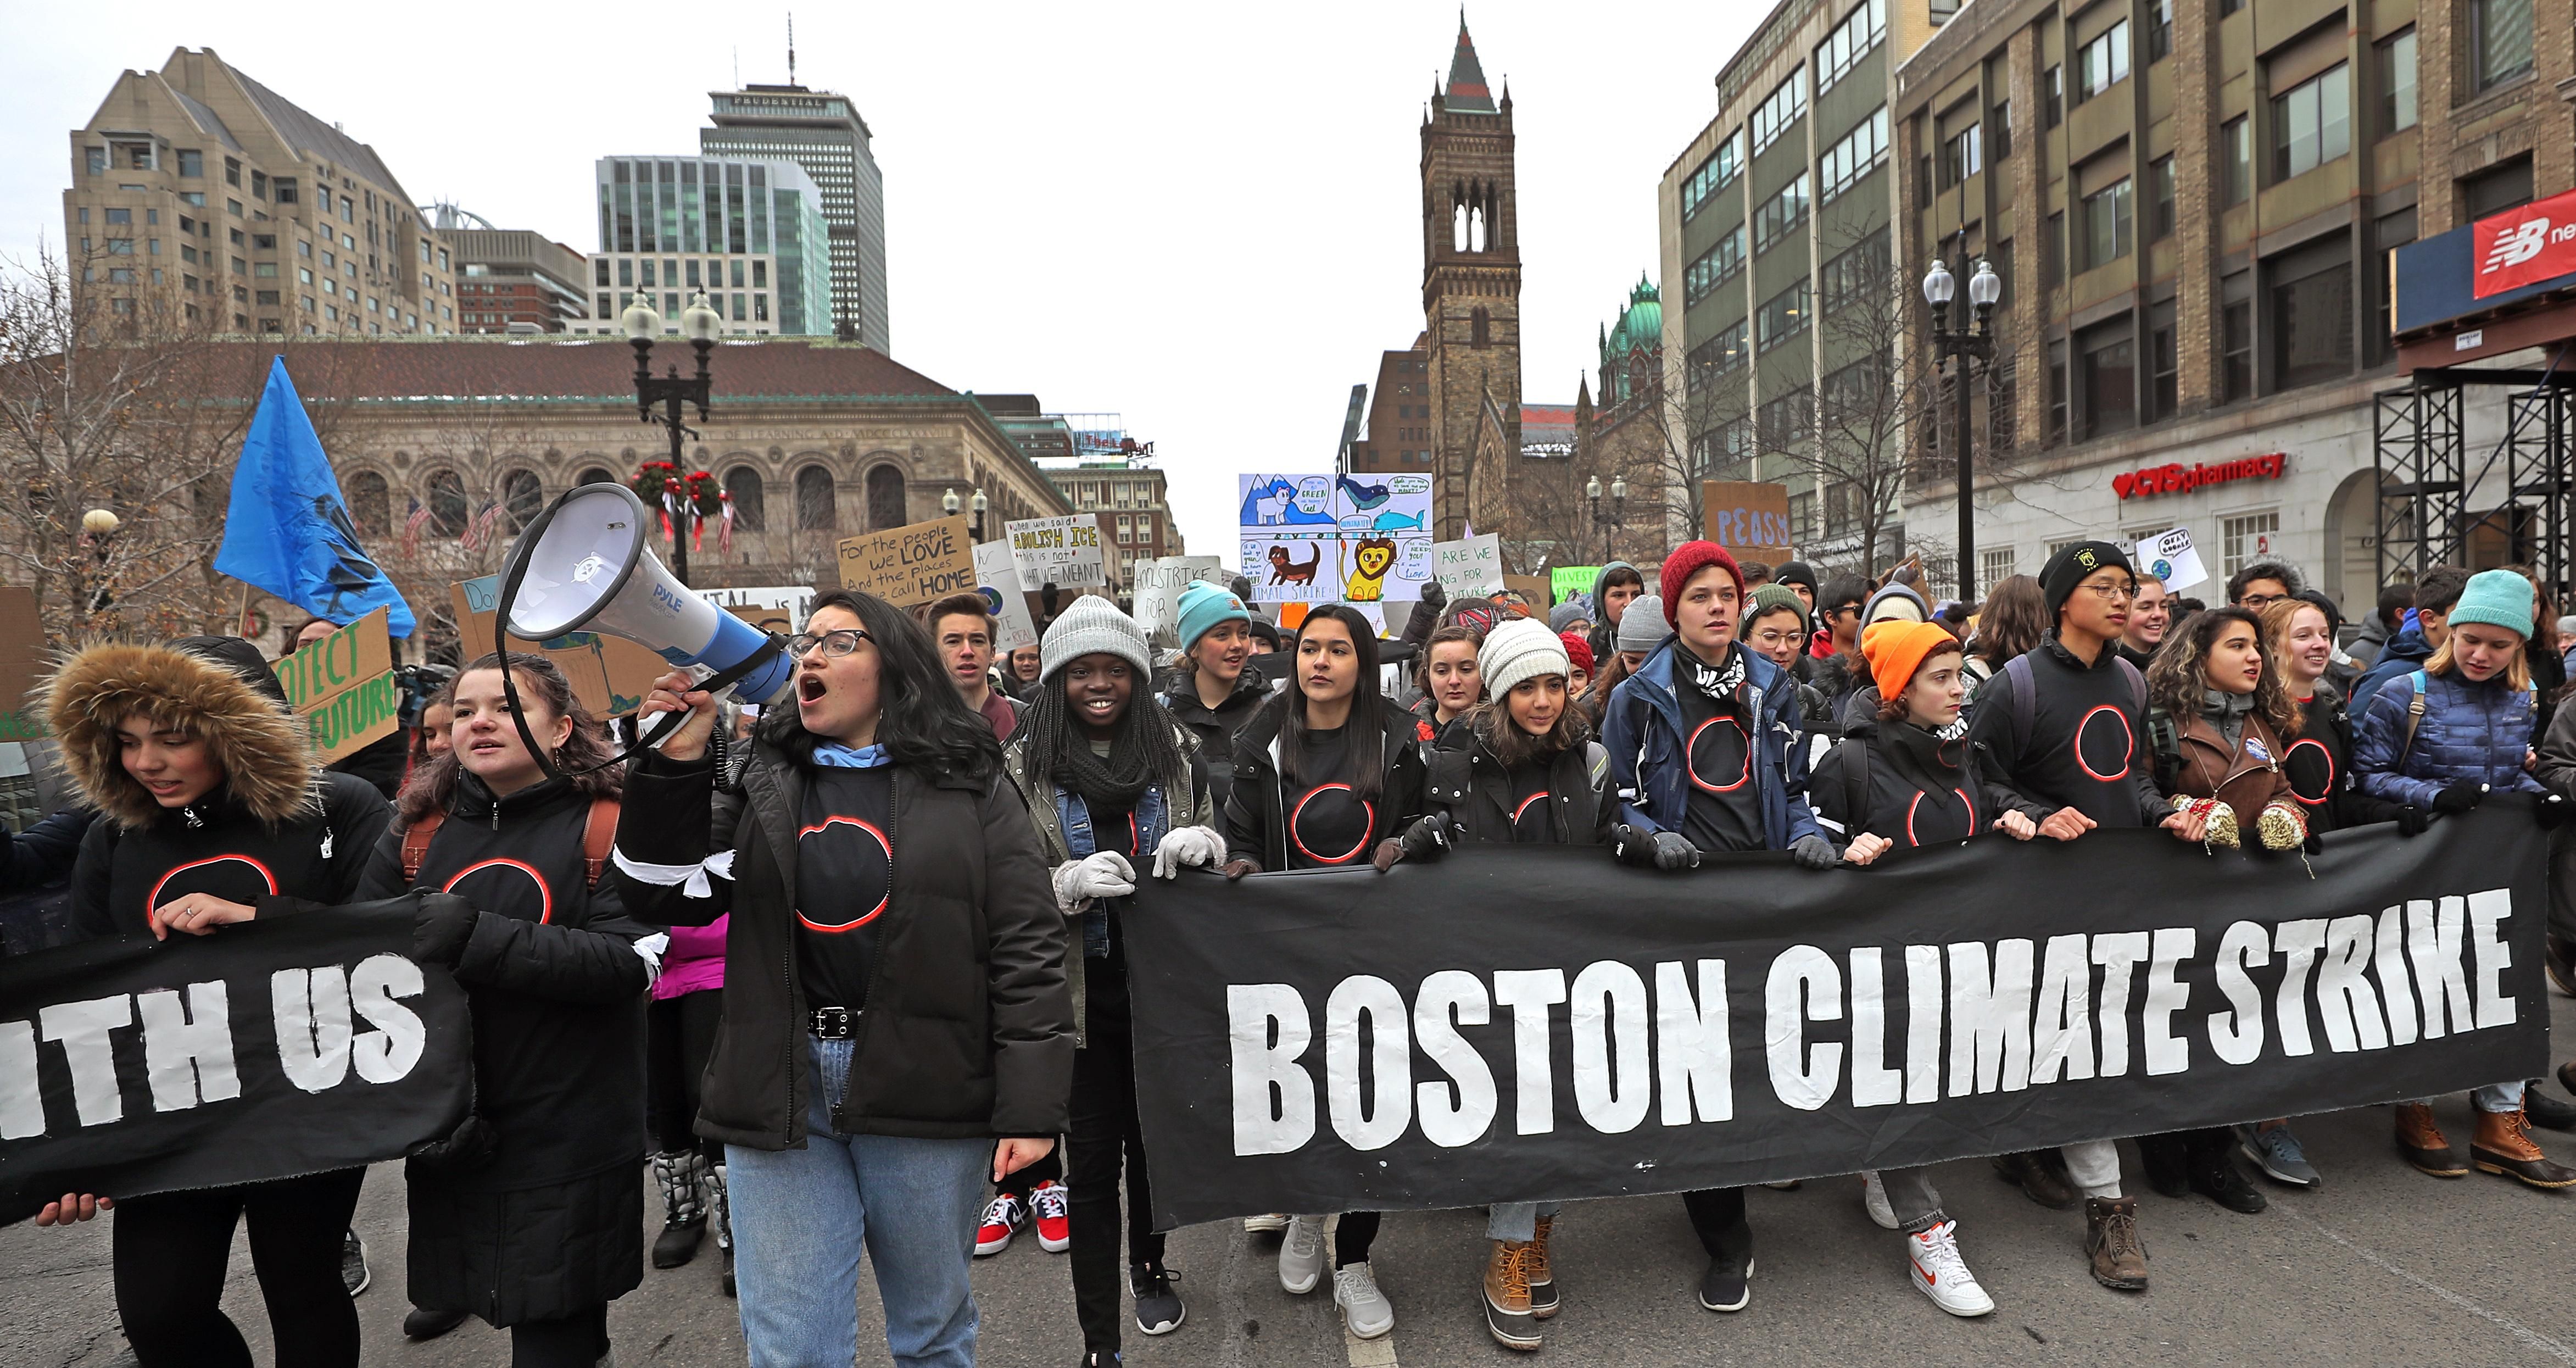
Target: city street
[2382, 1265]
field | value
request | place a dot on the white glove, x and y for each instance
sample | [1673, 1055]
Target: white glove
[1104, 875]
[1196, 846]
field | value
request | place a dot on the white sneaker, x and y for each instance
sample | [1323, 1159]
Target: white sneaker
[1002, 1220]
[1258, 1225]
[1365, 1310]
[1873, 1199]
[1943, 1275]
[1301, 1254]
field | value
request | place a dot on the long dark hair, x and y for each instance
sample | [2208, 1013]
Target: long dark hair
[584, 755]
[1454, 632]
[2176, 679]
[1367, 727]
[1143, 745]
[922, 720]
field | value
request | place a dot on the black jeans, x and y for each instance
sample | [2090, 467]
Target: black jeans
[1717, 1217]
[1104, 1139]
[170, 1252]
[679, 1034]
[575, 1341]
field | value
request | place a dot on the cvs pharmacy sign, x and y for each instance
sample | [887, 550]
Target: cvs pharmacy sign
[2524, 246]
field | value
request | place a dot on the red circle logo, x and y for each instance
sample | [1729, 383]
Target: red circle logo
[545, 895]
[2324, 757]
[1297, 819]
[266, 877]
[1692, 753]
[870, 828]
[2086, 732]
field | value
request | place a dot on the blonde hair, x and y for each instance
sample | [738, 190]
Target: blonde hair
[2516, 673]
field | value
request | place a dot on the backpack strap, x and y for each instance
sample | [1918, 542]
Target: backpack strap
[2137, 683]
[2414, 717]
[2024, 704]
[415, 845]
[598, 834]
[1855, 754]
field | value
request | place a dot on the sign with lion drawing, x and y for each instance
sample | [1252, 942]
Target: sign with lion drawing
[1362, 538]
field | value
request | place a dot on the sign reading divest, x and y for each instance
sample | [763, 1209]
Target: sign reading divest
[271, 1049]
[1064, 552]
[610, 675]
[1476, 1032]
[1566, 581]
[343, 687]
[912, 565]
[22, 663]
[1750, 520]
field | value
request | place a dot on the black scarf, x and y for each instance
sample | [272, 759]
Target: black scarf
[1116, 779]
[1717, 681]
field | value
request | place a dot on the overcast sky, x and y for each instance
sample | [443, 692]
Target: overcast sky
[1205, 218]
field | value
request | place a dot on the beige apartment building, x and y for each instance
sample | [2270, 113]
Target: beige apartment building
[201, 189]
[2194, 203]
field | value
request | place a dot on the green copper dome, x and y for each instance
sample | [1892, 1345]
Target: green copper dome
[1641, 326]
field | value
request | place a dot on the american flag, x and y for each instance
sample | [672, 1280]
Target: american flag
[412, 523]
[478, 533]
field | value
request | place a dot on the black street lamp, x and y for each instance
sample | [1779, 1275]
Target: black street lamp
[701, 325]
[1618, 514]
[1969, 349]
[949, 505]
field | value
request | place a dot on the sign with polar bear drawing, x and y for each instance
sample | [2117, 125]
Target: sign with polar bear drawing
[1335, 538]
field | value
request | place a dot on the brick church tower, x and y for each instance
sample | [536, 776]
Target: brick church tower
[1471, 293]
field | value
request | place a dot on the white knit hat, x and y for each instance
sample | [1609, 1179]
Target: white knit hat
[1092, 625]
[1521, 648]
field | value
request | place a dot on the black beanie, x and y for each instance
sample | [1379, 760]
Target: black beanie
[240, 657]
[1796, 572]
[2068, 568]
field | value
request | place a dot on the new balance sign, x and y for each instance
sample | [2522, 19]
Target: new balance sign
[2524, 246]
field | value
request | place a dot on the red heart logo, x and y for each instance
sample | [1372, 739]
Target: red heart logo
[2124, 483]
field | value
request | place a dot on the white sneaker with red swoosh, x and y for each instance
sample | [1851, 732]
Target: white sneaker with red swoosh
[1943, 1275]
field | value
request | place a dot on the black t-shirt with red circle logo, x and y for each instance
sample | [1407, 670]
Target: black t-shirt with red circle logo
[1329, 824]
[844, 879]
[2086, 744]
[1725, 809]
[1533, 814]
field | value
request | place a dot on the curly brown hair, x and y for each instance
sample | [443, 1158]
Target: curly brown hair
[2176, 677]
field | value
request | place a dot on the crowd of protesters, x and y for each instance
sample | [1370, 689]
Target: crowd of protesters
[848, 975]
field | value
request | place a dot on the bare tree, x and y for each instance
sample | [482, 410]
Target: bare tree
[1868, 403]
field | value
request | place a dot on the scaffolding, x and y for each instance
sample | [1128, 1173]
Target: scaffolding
[2427, 485]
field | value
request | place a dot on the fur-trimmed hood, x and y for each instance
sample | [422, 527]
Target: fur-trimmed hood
[268, 768]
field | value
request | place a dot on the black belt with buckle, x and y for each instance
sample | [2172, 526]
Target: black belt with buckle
[832, 1023]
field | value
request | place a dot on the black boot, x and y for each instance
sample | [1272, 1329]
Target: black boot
[684, 1209]
[2546, 1110]
[2214, 1174]
[2168, 1164]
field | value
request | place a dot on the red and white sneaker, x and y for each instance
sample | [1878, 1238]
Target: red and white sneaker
[1002, 1220]
[1054, 1209]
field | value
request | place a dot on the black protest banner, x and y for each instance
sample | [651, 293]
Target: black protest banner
[269, 1049]
[1536, 1023]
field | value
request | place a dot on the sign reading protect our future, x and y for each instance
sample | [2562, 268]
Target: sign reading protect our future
[343, 687]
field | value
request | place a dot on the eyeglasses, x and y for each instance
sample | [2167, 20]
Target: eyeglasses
[838, 642]
[1841, 608]
[2260, 600]
[2108, 592]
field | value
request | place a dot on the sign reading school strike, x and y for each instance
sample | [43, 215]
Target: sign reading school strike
[343, 687]
[911, 565]
[1530, 1023]
[271, 1049]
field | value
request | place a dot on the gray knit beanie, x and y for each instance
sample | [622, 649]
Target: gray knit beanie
[1642, 627]
[1517, 650]
[1092, 625]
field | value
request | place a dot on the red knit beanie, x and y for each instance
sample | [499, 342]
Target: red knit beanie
[1689, 559]
[1577, 649]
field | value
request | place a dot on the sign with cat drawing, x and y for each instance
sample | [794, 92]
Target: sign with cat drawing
[1335, 538]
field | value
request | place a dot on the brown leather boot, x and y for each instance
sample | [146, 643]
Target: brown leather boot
[2037, 1178]
[2111, 1237]
[2423, 1143]
[1542, 1281]
[1507, 1296]
[2503, 1145]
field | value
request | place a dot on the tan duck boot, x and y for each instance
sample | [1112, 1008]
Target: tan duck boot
[2423, 1143]
[2503, 1146]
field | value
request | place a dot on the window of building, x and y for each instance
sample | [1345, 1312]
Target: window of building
[2500, 41]
[2396, 57]
[2497, 188]
[1858, 273]
[1777, 112]
[284, 187]
[1962, 155]
[2159, 30]
[1776, 217]
[1999, 132]
[268, 297]
[97, 161]
[2390, 233]
[2247, 538]
[448, 510]
[2103, 226]
[266, 242]
[193, 197]
[2236, 349]
[817, 507]
[2110, 379]
[886, 503]
[1851, 40]
[1782, 316]
[1717, 356]
[232, 170]
[370, 504]
[1994, 566]
[1714, 173]
[1715, 266]
[2103, 62]
[2312, 122]
[2311, 319]
[2236, 161]
[2164, 362]
[2160, 189]
[114, 216]
[259, 185]
[120, 246]
[2053, 97]
[1858, 153]
[522, 498]
[1783, 422]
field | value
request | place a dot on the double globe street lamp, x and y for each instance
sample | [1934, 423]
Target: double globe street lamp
[1618, 514]
[1969, 349]
[948, 504]
[701, 325]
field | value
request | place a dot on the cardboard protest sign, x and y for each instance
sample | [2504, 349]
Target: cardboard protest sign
[1469, 568]
[343, 687]
[1062, 551]
[1530, 590]
[997, 575]
[911, 565]
[1750, 520]
[2170, 557]
[1159, 584]
[771, 608]
[610, 675]
[22, 663]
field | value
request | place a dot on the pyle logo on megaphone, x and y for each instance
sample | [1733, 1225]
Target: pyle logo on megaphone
[588, 569]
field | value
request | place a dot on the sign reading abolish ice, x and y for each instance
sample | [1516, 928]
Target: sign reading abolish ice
[270, 1049]
[1479, 1031]
[1063, 551]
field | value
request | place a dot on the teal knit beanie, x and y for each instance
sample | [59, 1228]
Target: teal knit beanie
[2499, 598]
[1203, 605]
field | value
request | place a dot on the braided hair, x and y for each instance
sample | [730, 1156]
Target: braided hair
[1143, 749]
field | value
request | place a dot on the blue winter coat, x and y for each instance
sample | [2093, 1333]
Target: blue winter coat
[2405, 652]
[2477, 733]
[1648, 764]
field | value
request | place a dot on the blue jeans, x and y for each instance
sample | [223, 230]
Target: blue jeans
[1517, 1222]
[800, 1218]
[2494, 1097]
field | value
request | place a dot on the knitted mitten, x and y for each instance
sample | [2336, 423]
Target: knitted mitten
[2281, 826]
[2221, 830]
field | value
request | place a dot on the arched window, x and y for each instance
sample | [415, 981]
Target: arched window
[370, 504]
[522, 498]
[749, 498]
[596, 475]
[885, 499]
[447, 507]
[815, 508]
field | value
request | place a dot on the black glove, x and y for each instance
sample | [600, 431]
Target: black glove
[1814, 852]
[470, 1147]
[2410, 820]
[2314, 845]
[2551, 812]
[1427, 839]
[1434, 597]
[440, 929]
[1630, 846]
[1674, 851]
[2459, 797]
[1236, 869]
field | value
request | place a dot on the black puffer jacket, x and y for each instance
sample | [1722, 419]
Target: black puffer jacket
[1256, 825]
[556, 982]
[969, 1026]
[1466, 782]
[1215, 727]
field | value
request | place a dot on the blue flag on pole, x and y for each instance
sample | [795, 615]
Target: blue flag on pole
[288, 530]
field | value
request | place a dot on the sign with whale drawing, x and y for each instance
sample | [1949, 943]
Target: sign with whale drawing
[1326, 538]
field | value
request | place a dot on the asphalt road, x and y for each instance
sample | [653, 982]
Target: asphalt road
[2382, 1265]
